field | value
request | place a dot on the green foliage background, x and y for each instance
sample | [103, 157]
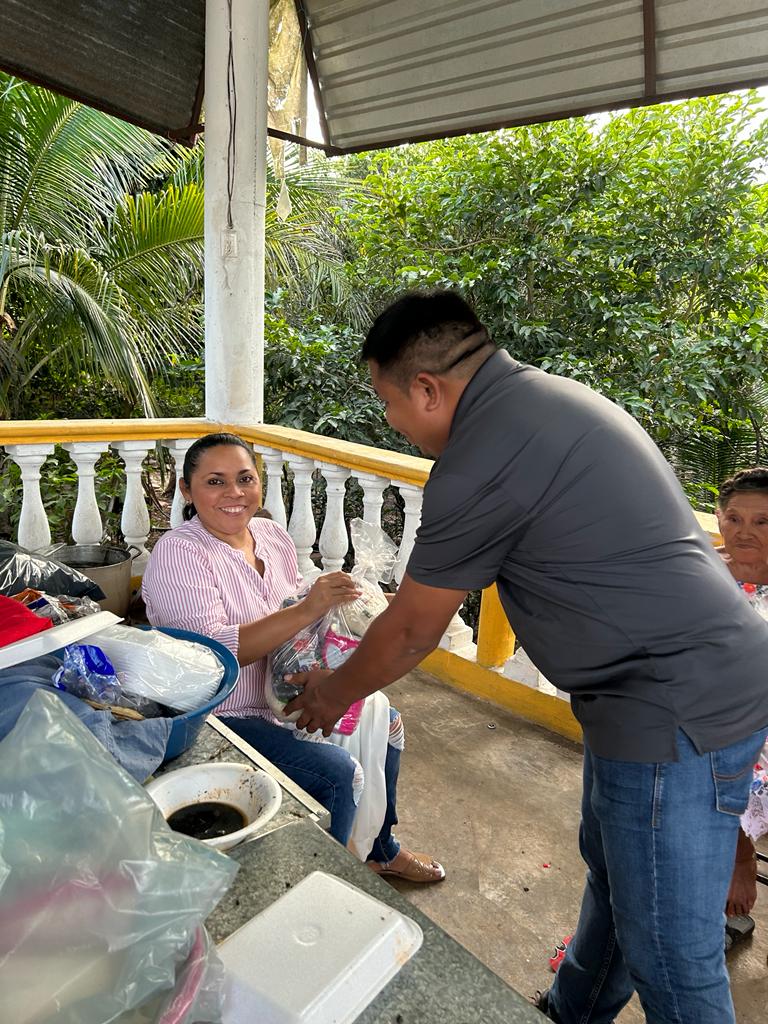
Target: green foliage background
[629, 252]
[630, 256]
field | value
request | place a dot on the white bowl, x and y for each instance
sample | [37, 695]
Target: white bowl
[251, 790]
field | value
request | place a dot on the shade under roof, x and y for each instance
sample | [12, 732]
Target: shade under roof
[141, 60]
[391, 71]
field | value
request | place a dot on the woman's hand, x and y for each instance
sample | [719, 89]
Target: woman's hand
[328, 590]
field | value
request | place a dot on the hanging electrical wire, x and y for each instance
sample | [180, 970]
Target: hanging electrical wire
[232, 111]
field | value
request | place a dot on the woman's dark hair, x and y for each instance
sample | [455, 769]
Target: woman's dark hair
[195, 452]
[755, 479]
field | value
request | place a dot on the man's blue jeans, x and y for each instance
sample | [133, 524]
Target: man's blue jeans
[659, 841]
[325, 772]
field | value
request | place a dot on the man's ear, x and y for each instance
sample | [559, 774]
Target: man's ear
[429, 390]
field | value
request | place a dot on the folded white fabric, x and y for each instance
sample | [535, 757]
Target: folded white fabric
[181, 674]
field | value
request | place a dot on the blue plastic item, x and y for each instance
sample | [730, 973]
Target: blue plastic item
[186, 727]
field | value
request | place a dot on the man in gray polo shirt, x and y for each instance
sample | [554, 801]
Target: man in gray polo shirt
[558, 496]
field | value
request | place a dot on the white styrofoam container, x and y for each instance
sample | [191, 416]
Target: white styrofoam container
[73, 632]
[318, 955]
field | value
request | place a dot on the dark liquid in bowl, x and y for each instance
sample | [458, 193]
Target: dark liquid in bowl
[207, 820]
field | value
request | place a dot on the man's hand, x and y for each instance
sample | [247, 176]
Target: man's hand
[395, 642]
[319, 711]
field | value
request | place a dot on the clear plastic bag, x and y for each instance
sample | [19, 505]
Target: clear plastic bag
[301, 653]
[375, 558]
[180, 674]
[58, 608]
[327, 643]
[86, 672]
[20, 569]
[101, 904]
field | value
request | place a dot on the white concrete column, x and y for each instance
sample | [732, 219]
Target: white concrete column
[135, 518]
[34, 530]
[333, 536]
[302, 526]
[412, 497]
[373, 496]
[87, 527]
[235, 159]
[178, 449]
[273, 470]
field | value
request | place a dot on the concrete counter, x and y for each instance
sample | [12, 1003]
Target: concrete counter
[442, 984]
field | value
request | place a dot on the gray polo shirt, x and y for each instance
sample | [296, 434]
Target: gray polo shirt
[612, 587]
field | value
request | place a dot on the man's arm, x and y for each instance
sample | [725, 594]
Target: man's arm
[395, 642]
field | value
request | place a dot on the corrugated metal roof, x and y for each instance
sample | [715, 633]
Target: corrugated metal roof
[140, 60]
[397, 70]
[390, 71]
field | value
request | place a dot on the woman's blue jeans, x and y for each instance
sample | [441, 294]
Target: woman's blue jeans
[325, 772]
[659, 842]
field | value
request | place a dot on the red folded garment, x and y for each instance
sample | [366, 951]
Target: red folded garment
[17, 621]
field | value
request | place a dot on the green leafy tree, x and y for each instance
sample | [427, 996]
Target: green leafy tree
[93, 270]
[631, 256]
[315, 381]
[101, 256]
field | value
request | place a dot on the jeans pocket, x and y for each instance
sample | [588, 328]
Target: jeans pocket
[732, 769]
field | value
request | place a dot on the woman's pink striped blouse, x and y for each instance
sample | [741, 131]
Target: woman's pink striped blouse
[196, 581]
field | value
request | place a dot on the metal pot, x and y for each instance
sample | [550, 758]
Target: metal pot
[110, 567]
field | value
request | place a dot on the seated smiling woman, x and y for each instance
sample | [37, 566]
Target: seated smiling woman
[225, 573]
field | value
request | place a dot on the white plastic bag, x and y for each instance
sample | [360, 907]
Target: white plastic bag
[101, 904]
[368, 744]
[181, 674]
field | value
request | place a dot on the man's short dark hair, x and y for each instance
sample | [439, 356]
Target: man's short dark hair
[436, 331]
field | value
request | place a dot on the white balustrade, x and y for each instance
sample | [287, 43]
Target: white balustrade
[134, 521]
[458, 638]
[412, 499]
[458, 635]
[87, 526]
[302, 523]
[521, 669]
[178, 449]
[273, 470]
[373, 496]
[34, 531]
[334, 541]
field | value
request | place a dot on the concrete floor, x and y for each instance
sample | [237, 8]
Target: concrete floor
[497, 801]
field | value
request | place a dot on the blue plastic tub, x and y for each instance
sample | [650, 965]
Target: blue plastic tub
[186, 727]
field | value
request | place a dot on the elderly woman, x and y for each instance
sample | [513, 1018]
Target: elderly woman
[742, 512]
[225, 573]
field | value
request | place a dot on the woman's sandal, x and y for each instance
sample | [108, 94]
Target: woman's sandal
[419, 868]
